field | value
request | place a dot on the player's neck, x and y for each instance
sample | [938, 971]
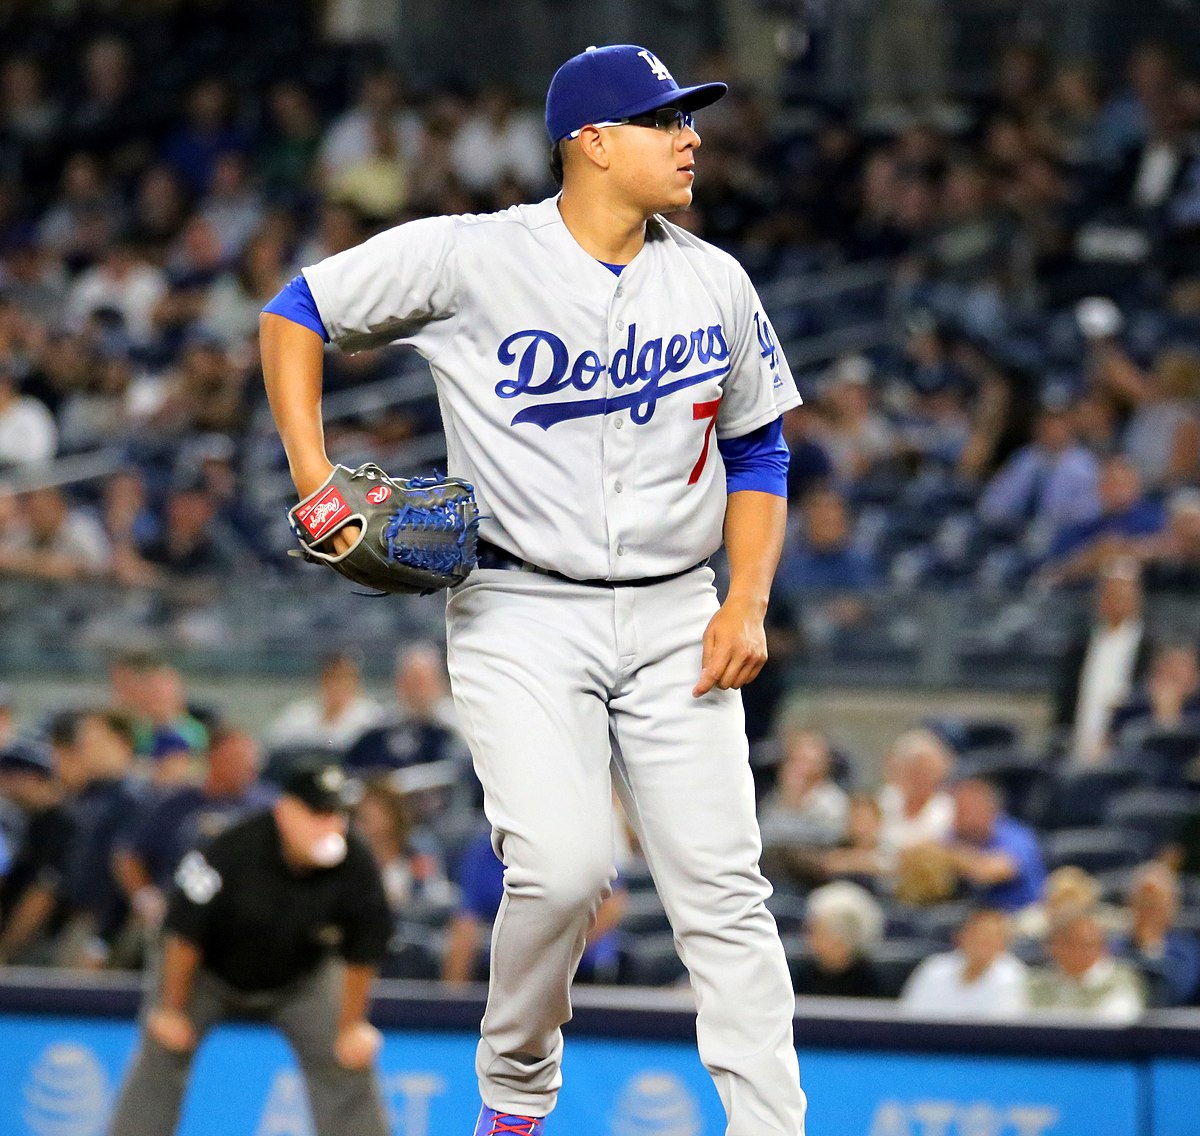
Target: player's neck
[604, 230]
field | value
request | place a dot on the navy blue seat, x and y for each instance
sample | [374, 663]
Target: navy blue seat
[1079, 797]
[650, 961]
[1095, 849]
[1155, 812]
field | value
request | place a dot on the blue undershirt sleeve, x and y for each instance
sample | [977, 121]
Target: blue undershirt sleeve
[758, 460]
[295, 302]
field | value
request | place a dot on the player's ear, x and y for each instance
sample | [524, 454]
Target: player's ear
[592, 147]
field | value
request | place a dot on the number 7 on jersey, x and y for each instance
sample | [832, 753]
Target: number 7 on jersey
[702, 410]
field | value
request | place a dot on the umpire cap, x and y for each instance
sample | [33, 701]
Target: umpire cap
[604, 84]
[322, 785]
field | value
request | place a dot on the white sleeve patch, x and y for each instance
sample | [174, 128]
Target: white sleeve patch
[197, 878]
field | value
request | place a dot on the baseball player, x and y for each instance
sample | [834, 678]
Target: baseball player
[613, 390]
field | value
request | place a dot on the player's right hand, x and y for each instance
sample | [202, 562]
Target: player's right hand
[172, 1029]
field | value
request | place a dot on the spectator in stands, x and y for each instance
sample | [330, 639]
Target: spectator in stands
[232, 303]
[981, 978]
[53, 542]
[843, 924]
[409, 861]
[1172, 558]
[168, 719]
[192, 543]
[482, 880]
[1051, 482]
[82, 219]
[184, 818]
[377, 184]
[809, 464]
[806, 807]
[859, 856]
[1161, 432]
[208, 131]
[1101, 667]
[93, 758]
[336, 717]
[1126, 512]
[1170, 696]
[1151, 71]
[805, 812]
[1083, 975]
[1066, 889]
[350, 140]
[28, 434]
[499, 140]
[31, 907]
[996, 857]
[123, 282]
[914, 802]
[819, 556]
[855, 435]
[418, 738]
[288, 155]
[1168, 958]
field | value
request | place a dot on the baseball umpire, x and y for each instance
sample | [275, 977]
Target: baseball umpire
[612, 392]
[283, 919]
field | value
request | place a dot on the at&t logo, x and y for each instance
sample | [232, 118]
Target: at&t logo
[657, 1104]
[66, 1093]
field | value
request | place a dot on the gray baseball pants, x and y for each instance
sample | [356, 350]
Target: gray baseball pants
[554, 682]
[344, 1102]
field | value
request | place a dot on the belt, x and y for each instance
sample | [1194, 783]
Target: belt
[492, 556]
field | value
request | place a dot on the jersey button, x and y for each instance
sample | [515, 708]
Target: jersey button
[619, 486]
[620, 325]
[618, 423]
[620, 550]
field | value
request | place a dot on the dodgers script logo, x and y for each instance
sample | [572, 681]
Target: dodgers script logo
[545, 367]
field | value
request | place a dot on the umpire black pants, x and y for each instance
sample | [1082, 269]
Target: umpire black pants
[344, 1102]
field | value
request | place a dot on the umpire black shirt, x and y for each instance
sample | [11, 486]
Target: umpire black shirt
[260, 923]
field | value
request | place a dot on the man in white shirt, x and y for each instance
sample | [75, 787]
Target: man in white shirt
[28, 433]
[1113, 659]
[979, 979]
[1084, 975]
[914, 802]
[336, 717]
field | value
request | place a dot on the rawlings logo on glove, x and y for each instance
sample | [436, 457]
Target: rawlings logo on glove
[417, 534]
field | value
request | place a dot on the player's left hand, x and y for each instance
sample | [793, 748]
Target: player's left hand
[735, 646]
[356, 1045]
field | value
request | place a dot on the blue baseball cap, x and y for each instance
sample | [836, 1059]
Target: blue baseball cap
[619, 81]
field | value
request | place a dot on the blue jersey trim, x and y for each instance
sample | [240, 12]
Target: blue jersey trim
[758, 460]
[295, 302]
[615, 269]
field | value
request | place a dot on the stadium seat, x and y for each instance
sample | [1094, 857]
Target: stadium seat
[1153, 812]
[895, 959]
[651, 961]
[788, 909]
[644, 914]
[1094, 849]
[1078, 797]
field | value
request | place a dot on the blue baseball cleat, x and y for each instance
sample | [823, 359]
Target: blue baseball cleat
[493, 1123]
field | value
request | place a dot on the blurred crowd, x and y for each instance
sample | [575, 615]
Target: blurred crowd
[1028, 418]
[1032, 409]
[978, 873]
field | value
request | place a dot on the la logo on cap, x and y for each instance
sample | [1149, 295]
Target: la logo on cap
[656, 65]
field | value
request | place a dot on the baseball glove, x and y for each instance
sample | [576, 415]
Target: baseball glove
[417, 534]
